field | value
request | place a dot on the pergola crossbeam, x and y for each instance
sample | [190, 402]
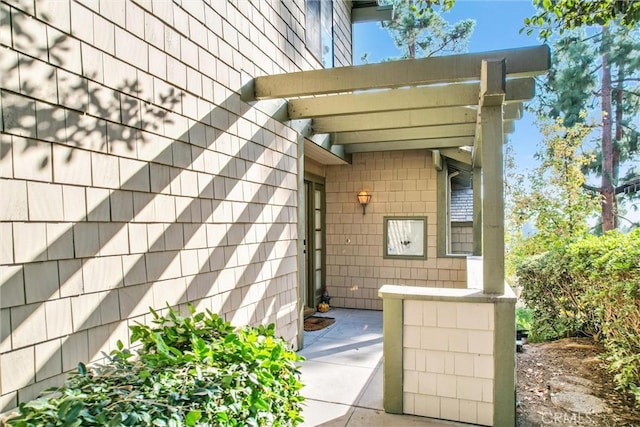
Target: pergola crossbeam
[454, 95]
[427, 132]
[410, 144]
[512, 111]
[407, 119]
[523, 62]
[395, 119]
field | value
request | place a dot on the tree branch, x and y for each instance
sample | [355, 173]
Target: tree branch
[591, 188]
[631, 92]
[598, 34]
[627, 80]
[596, 69]
[626, 126]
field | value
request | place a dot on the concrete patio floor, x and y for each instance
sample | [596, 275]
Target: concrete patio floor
[343, 374]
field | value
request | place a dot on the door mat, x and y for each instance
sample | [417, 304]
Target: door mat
[315, 323]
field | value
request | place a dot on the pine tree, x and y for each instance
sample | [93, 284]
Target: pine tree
[420, 32]
[599, 72]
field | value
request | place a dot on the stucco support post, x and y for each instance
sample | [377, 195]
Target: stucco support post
[392, 324]
[504, 361]
[492, 83]
[477, 211]
[300, 229]
[492, 92]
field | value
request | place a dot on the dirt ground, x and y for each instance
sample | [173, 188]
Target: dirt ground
[544, 369]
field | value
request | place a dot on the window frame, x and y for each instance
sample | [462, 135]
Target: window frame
[385, 236]
[318, 32]
[443, 231]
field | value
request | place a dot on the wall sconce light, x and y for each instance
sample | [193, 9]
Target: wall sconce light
[364, 198]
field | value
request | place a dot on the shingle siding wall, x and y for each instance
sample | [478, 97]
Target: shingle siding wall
[342, 33]
[402, 183]
[461, 238]
[133, 175]
[462, 205]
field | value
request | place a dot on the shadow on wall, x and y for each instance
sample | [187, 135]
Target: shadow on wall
[212, 194]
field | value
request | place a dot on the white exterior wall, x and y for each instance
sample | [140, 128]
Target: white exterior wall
[133, 175]
[448, 360]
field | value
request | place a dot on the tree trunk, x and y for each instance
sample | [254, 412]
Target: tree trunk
[619, 124]
[607, 190]
[411, 39]
[412, 49]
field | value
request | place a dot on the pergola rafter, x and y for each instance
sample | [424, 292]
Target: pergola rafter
[409, 133]
[406, 119]
[426, 132]
[412, 144]
[522, 62]
[395, 119]
[413, 98]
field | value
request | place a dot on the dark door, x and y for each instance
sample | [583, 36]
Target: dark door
[314, 239]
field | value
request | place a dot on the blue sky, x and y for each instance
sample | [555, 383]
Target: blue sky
[498, 23]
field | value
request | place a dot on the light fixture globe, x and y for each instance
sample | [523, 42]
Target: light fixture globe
[364, 198]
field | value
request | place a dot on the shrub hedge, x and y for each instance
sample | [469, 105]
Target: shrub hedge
[196, 370]
[590, 287]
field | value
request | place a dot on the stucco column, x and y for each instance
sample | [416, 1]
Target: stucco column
[504, 350]
[477, 211]
[492, 92]
[392, 312]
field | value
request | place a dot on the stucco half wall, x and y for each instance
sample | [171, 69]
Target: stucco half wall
[450, 354]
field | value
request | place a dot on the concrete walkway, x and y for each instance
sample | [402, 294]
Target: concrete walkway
[343, 374]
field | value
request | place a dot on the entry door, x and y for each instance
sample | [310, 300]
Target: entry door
[315, 246]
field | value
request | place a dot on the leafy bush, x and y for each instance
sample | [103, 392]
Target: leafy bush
[610, 266]
[592, 287]
[524, 317]
[190, 371]
[554, 297]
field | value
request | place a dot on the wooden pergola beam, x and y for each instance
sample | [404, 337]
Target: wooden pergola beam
[407, 119]
[526, 61]
[512, 111]
[425, 132]
[414, 144]
[453, 95]
[369, 13]
[395, 119]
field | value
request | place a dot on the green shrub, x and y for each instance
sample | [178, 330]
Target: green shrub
[524, 317]
[610, 266]
[590, 287]
[554, 297]
[190, 371]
